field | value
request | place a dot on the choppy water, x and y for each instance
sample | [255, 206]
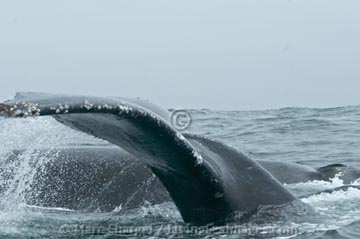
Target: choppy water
[314, 137]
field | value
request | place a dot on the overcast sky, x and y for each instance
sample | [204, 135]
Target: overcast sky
[222, 54]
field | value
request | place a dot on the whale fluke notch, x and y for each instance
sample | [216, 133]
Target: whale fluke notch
[207, 180]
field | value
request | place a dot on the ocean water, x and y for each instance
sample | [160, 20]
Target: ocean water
[314, 137]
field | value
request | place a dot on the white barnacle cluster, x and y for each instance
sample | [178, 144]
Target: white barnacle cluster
[25, 109]
[87, 105]
[124, 109]
[106, 107]
[61, 109]
[199, 158]
[156, 118]
[66, 109]
[143, 113]
[13, 109]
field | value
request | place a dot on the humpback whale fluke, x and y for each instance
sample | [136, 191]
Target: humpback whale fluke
[207, 180]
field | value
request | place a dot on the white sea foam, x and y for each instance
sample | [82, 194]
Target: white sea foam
[335, 196]
[38, 140]
[319, 185]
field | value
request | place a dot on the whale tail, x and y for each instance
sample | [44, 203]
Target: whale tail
[207, 180]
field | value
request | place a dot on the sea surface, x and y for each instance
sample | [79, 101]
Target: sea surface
[314, 137]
